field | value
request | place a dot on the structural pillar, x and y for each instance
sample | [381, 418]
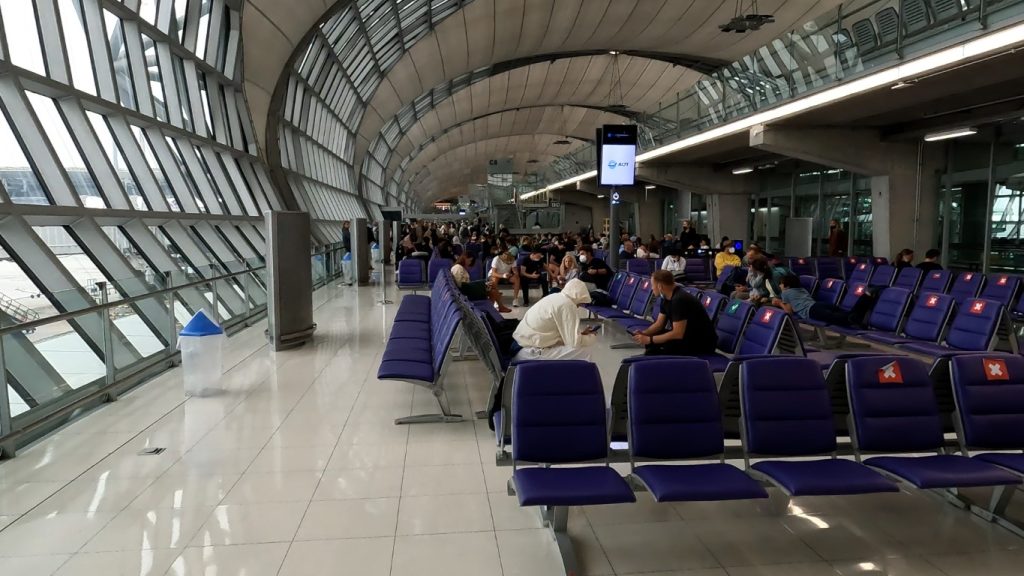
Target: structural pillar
[360, 251]
[684, 209]
[729, 215]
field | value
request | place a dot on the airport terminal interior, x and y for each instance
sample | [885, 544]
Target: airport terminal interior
[511, 287]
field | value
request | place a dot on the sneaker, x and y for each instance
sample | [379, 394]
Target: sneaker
[515, 303]
[504, 310]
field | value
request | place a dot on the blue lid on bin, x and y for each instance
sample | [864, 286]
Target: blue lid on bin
[347, 257]
[201, 325]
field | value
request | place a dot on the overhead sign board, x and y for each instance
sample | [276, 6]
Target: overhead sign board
[617, 160]
[500, 166]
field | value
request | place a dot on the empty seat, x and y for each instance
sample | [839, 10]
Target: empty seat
[944, 9]
[888, 21]
[908, 278]
[723, 278]
[697, 270]
[989, 390]
[915, 15]
[621, 300]
[412, 274]
[674, 415]
[435, 266]
[830, 291]
[713, 303]
[883, 275]
[974, 328]
[638, 307]
[860, 274]
[640, 266]
[1002, 288]
[893, 410]
[926, 321]
[731, 322]
[888, 312]
[967, 285]
[802, 267]
[936, 281]
[786, 412]
[830, 267]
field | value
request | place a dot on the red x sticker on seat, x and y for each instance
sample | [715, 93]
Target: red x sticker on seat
[828, 283]
[863, 265]
[707, 301]
[1002, 280]
[932, 301]
[968, 276]
[995, 369]
[859, 290]
[766, 315]
[890, 373]
[936, 275]
[978, 307]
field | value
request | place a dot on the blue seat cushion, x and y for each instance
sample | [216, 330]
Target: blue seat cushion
[416, 302]
[831, 477]
[813, 322]
[413, 315]
[418, 330]
[890, 338]
[716, 362]
[925, 348]
[571, 486]
[606, 312]
[943, 471]
[405, 370]
[1010, 461]
[408, 350]
[698, 482]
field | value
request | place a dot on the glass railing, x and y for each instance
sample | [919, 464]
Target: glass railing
[71, 350]
[851, 41]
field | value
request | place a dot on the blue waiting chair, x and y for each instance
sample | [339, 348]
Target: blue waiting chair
[967, 285]
[908, 278]
[674, 415]
[893, 410]
[936, 281]
[786, 412]
[1002, 289]
[927, 320]
[975, 328]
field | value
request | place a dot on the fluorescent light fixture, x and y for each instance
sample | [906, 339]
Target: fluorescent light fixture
[905, 72]
[947, 134]
[650, 187]
[743, 170]
[599, 196]
[613, 52]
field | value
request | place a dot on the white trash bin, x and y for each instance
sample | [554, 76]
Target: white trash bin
[347, 271]
[200, 343]
[375, 255]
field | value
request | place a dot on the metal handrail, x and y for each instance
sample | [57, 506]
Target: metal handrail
[65, 316]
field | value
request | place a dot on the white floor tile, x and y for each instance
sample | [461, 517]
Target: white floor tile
[32, 565]
[439, 453]
[909, 566]
[367, 456]
[803, 569]
[135, 563]
[292, 458]
[56, 534]
[653, 547]
[148, 529]
[360, 483]
[335, 519]
[443, 514]
[466, 554]
[358, 556]
[185, 491]
[250, 524]
[260, 487]
[105, 494]
[529, 553]
[250, 560]
[436, 480]
[509, 515]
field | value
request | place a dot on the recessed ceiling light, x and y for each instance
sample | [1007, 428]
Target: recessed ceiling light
[613, 52]
[600, 195]
[743, 170]
[953, 133]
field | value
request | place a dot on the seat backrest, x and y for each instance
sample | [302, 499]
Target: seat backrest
[856, 290]
[1002, 288]
[915, 15]
[809, 283]
[713, 304]
[864, 35]
[558, 412]
[861, 273]
[879, 261]
[435, 266]
[929, 316]
[888, 22]
[785, 408]
[907, 278]
[411, 271]
[967, 285]
[697, 270]
[883, 275]
[642, 298]
[830, 267]
[946, 8]
[673, 410]
[615, 286]
[723, 277]
[640, 266]
[989, 392]
[802, 266]
[889, 310]
[731, 321]
[974, 326]
[830, 291]
[693, 291]
[849, 263]
[762, 332]
[892, 405]
[626, 293]
[936, 281]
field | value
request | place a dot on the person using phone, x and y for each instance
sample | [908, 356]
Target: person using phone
[682, 327]
[550, 330]
[503, 271]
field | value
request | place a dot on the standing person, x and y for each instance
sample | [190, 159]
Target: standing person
[551, 329]
[348, 276]
[836, 239]
[905, 259]
[503, 272]
[682, 328]
[533, 271]
[931, 261]
[594, 270]
[688, 238]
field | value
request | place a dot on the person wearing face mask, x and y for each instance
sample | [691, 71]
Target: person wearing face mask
[727, 257]
[688, 238]
[675, 264]
[682, 328]
[594, 270]
[836, 239]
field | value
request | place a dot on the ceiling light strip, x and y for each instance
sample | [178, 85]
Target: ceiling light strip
[1002, 39]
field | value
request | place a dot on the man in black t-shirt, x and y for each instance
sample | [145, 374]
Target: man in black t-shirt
[682, 327]
[594, 270]
[533, 271]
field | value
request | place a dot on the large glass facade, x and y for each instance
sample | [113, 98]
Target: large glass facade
[110, 192]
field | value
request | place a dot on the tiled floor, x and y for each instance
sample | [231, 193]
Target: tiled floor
[298, 470]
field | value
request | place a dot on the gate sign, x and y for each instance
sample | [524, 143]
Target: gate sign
[617, 161]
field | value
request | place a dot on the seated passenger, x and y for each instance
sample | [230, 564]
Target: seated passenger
[533, 271]
[797, 301]
[594, 270]
[503, 272]
[569, 270]
[675, 264]
[931, 261]
[727, 257]
[682, 328]
[761, 284]
[904, 259]
[478, 290]
[550, 330]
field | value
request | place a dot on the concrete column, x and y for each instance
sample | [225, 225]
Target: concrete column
[360, 251]
[729, 215]
[684, 206]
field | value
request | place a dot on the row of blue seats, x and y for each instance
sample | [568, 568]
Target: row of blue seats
[558, 418]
